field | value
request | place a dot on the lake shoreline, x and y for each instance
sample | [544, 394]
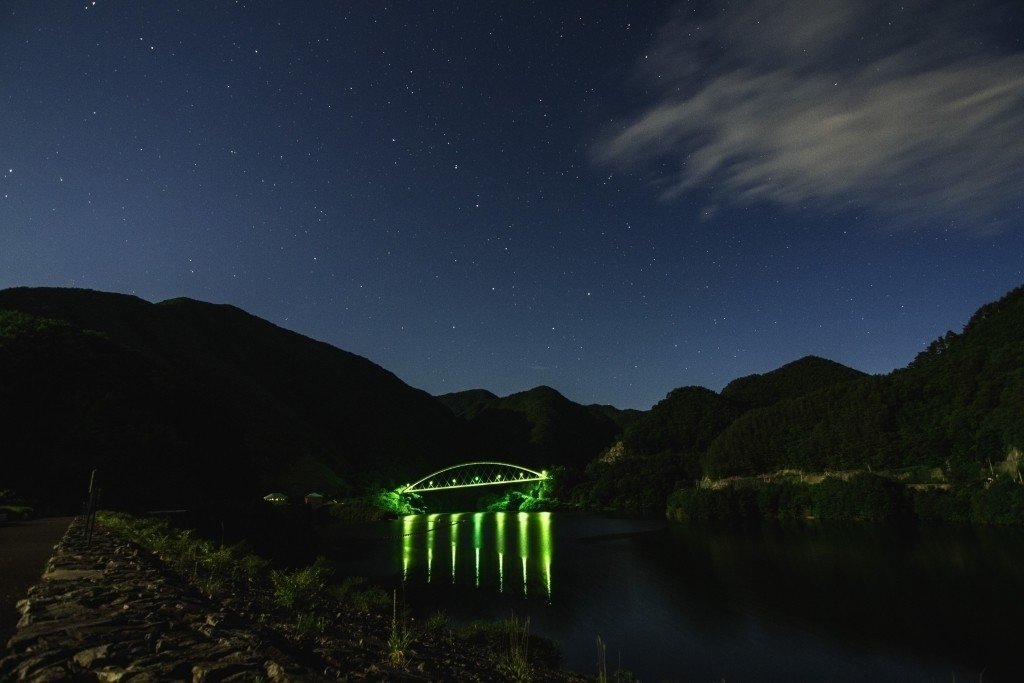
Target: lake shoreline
[111, 608]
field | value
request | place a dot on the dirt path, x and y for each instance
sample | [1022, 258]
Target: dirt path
[24, 549]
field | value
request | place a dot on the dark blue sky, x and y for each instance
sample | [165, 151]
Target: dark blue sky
[611, 198]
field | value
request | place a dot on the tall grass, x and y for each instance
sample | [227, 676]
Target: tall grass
[209, 567]
[400, 637]
[621, 675]
[515, 660]
[305, 592]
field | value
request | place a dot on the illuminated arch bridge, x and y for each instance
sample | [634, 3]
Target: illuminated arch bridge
[472, 474]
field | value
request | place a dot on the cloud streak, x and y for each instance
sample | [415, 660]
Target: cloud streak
[799, 103]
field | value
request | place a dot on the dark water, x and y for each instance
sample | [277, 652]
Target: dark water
[677, 602]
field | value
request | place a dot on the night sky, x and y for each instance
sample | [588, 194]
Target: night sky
[611, 198]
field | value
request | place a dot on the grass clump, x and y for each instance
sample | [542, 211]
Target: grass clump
[438, 621]
[515, 659]
[400, 637]
[621, 675]
[304, 591]
[517, 652]
[209, 567]
[355, 592]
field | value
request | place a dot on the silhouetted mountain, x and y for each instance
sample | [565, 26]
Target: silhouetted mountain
[184, 402]
[539, 427]
[685, 421]
[799, 378]
[957, 406]
[960, 401]
[468, 404]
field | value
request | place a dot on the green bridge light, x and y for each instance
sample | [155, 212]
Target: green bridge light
[472, 474]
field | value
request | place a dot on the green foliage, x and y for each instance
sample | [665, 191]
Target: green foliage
[668, 446]
[531, 504]
[396, 503]
[958, 406]
[437, 621]
[306, 592]
[686, 421]
[304, 589]
[802, 377]
[360, 595]
[18, 325]
[864, 497]
[936, 505]
[1002, 502]
[499, 636]
[639, 484]
[211, 568]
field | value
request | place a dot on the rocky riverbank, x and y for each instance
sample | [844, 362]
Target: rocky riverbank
[111, 611]
[105, 611]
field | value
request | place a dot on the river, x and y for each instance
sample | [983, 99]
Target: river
[807, 602]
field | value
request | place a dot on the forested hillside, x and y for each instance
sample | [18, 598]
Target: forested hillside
[184, 403]
[959, 406]
[667, 445]
[539, 427]
[960, 401]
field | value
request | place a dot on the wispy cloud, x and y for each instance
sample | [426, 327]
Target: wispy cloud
[916, 112]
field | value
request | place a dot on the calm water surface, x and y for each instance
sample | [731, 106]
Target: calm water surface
[678, 602]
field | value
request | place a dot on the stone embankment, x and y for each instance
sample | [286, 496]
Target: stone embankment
[111, 611]
[107, 612]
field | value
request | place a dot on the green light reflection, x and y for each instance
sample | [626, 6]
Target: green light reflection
[524, 546]
[546, 548]
[455, 540]
[533, 544]
[407, 523]
[431, 523]
[499, 536]
[478, 525]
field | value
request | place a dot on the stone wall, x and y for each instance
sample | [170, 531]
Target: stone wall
[104, 611]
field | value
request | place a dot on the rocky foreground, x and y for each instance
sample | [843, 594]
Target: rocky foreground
[110, 611]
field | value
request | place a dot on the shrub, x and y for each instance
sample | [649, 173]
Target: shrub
[305, 589]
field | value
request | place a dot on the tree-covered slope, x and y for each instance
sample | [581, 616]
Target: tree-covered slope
[685, 421]
[799, 378]
[538, 427]
[961, 401]
[182, 401]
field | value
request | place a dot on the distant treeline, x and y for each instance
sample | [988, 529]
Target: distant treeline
[958, 407]
[864, 497]
[188, 404]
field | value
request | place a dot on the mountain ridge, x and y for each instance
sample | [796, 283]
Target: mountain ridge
[222, 403]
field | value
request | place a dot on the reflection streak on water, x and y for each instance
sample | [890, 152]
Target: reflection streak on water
[524, 547]
[499, 535]
[455, 541]
[478, 523]
[407, 523]
[528, 535]
[431, 523]
[546, 545]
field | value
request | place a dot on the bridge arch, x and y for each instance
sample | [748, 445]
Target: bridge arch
[473, 474]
